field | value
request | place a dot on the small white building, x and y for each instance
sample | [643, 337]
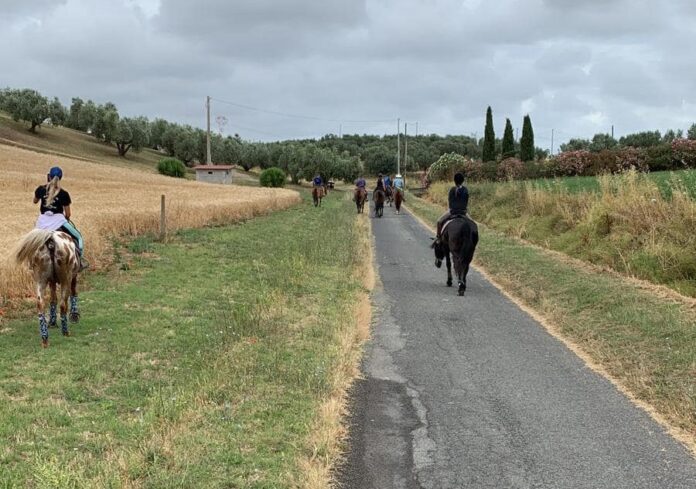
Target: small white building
[214, 173]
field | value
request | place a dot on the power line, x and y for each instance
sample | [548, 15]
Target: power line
[298, 116]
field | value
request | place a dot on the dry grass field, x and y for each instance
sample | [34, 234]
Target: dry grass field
[112, 201]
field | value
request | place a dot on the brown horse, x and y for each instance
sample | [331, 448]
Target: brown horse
[317, 194]
[360, 197]
[53, 260]
[398, 198]
[378, 197]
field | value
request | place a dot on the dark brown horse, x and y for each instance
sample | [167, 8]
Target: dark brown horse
[53, 259]
[398, 198]
[360, 197]
[378, 198]
[317, 194]
[459, 237]
[388, 195]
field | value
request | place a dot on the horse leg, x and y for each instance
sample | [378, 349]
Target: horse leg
[43, 325]
[448, 261]
[74, 310]
[64, 295]
[52, 312]
[461, 276]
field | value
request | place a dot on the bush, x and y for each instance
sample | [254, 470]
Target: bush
[573, 162]
[272, 177]
[510, 169]
[659, 158]
[171, 167]
[446, 166]
[684, 153]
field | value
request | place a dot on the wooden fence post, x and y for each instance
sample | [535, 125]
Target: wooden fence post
[163, 220]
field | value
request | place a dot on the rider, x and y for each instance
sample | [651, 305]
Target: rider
[361, 183]
[458, 202]
[318, 182]
[387, 181]
[380, 183]
[399, 183]
[55, 210]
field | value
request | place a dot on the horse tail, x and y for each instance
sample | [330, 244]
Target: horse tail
[31, 243]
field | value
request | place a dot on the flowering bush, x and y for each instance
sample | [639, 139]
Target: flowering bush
[511, 169]
[684, 152]
[573, 162]
[445, 167]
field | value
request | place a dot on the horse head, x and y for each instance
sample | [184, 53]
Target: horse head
[440, 250]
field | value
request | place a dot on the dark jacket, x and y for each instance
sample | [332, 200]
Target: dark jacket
[458, 200]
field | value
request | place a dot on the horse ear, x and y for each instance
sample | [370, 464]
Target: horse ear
[432, 239]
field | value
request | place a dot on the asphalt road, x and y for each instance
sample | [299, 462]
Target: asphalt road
[472, 392]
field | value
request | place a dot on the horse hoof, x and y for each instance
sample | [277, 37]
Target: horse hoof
[44, 343]
[449, 283]
[461, 292]
[75, 317]
[52, 324]
[66, 333]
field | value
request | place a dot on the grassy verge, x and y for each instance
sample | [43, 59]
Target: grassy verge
[217, 360]
[630, 224]
[645, 342]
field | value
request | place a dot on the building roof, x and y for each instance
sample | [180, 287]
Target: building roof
[213, 167]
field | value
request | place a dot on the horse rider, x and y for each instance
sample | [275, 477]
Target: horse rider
[380, 183]
[399, 184]
[458, 199]
[360, 183]
[318, 182]
[387, 181]
[55, 210]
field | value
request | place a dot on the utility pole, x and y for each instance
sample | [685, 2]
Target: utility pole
[612, 131]
[340, 130]
[517, 134]
[398, 145]
[405, 147]
[207, 138]
[551, 142]
[416, 128]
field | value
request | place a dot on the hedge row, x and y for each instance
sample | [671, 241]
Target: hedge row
[677, 155]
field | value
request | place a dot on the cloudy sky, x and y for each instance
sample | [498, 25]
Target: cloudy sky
[578, 66]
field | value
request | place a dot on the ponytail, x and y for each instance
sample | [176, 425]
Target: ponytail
[52, 190]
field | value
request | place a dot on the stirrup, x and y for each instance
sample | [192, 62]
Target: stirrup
[84, 264]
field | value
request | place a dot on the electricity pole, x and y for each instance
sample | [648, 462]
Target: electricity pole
[207, 136]
[398, 145]
[340, 130]
[416, 128]
[405, 147]
[551, 142]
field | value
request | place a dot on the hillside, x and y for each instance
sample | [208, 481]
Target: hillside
[62, 141]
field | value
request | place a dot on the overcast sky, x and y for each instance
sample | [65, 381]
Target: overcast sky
[578, 66]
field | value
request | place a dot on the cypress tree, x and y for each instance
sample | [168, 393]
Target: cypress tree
[527, 140]
[508, 141]
[489, 138]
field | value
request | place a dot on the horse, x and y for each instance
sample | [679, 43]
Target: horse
[398, 198]
[378, 198]
[389, 195]
[459, 236]
[53, 260]
[360, 196]
[317, 194]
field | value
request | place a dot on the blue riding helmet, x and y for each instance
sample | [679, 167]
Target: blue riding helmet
[55, 172]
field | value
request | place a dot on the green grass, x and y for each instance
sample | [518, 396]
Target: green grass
[646, 342]
[199, 363]
[664, 179]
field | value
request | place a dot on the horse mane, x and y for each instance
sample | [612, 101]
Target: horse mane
[30, 244]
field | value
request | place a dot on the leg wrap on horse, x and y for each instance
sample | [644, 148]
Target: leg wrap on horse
[64, 324]
[52, 315]
[74, 310]
[43, 326]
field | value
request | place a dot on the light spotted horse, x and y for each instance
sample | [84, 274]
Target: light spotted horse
[53, 260]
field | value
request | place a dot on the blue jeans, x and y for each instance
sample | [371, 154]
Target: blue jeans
[70, 228]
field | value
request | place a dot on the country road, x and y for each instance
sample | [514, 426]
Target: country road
[473, 393]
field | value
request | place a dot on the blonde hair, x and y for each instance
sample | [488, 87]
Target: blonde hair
[52, 190]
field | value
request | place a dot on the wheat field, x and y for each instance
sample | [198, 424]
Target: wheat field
[111, 201]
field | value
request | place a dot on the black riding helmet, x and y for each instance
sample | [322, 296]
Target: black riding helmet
[458, 178]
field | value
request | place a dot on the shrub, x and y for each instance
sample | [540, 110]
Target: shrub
[659, 158]
[630, 159]
[272, 177]
[573, 162]
[510, 169]
[171, 167]
[684, 153]
[473, 170]
[445, 167]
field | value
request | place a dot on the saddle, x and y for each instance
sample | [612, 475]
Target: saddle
[452, 218]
